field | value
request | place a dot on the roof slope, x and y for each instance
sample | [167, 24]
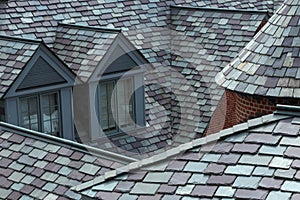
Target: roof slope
[255, 160]
[35, 166]
[14, 55]
[203, 41]
[269, 64]
[82, 48]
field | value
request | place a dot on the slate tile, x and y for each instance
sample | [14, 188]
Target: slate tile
[255, 160]
[221, 180]
[171, 197]
[26, 160]
[279, 195]
[15, 138]
[263, 139]
[39, 183]
[14, 195]
[124, 186]
[179, 178]
[231, 158]
[89, 169]
[270, 183]
[292, 152]
[5, 162]
[75, 164]
[296, 164]
[128, 197]
[144, 188]
[221, 147]
[5, 183]
[279, 162]
[209, 157]
[76, 156]
[76, 175]
[204, 191]
[225, 191]
[195, 167]
[245, 148]
[106, 186]
[244, 170]
[290, 186]
[289, 141]
[49, 186]
[247, 182]
[65, 151]
[272, 150]
[214, 169]
[16, 177]
[183, 190]
[158, 177]
[176, 165]
[295, 196]
[250, 194]
[284, 127]
[27, 179]
[53, 167]
[198, 179]
[286, 174]
[50, 157]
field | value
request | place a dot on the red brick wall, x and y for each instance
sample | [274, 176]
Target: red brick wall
[241, 107]
[217, 121]
[230, 111]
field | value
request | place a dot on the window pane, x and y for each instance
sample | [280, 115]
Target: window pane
[126, 103]
[50, 113]
[107, 106]
[29, 113]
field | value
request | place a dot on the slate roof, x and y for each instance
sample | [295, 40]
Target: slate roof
[14, 55]
[269, 64]
[82, 48]
[258, 159]
[162, 40]
[35, 166]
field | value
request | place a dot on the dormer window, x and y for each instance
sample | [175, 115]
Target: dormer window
[117, 102]
[41, 113]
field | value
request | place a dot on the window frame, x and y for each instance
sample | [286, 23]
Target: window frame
[115, 81]
[40, 120]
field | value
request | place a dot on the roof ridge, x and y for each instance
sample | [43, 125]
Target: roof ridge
[74, 145]
[94, 28]
[220, 9]
[17, 38]
[252, 123]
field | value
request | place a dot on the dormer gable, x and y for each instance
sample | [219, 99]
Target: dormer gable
[44, 71]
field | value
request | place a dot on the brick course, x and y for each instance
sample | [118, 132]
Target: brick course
[241, 107]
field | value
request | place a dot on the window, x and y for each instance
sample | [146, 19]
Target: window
[41, 113]
[2, 111]
[116, 105]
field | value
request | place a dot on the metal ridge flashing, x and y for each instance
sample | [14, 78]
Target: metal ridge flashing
[221, 9]
[171, 153]
[16, 38]
[94, 28]
[287, 110]
[67, 143]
